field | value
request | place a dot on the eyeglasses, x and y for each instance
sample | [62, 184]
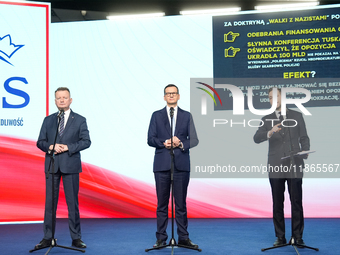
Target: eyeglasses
[171, 94]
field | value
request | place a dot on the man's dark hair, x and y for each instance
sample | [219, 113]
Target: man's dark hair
[270, 90]
[171, 85]
[62, 89]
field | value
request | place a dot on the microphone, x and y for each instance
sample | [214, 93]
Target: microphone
[171, 112]
[60, 113]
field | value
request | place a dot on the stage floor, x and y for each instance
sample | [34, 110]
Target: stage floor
[133, 236]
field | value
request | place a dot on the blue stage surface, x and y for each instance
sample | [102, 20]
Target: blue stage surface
[133, 236]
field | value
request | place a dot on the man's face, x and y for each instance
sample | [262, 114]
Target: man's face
[278, 107]
[171, 96]
[63, 100]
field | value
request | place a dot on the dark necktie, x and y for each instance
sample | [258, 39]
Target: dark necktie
[61, 124]
[173, 122]
[280, 117]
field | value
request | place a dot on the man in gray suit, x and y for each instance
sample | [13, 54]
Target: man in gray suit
[286, 135]
[73, 136]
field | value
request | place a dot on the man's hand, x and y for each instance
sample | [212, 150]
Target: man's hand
[275, 129]
[175, 140]
[59, 148]
[305, 156]
[167, 144]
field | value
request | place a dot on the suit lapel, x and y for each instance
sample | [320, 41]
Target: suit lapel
[273, 116]
[69, 122]
[287, 123]
[282, 132]
[178, 120]
[55, 123]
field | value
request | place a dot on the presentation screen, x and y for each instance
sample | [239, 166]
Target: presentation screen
[116, 72]
[294, 48]
[296, 51]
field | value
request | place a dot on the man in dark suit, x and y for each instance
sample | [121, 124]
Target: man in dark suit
[286, 135]
[184, 138]
[73, 136]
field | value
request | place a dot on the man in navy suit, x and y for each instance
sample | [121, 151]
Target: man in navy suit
[284, 141]
[184, 138]
[73, 137]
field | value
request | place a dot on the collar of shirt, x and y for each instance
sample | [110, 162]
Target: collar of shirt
[175, 112]
[278, 115]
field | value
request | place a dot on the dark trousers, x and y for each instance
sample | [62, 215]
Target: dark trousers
[163, 184]
[71, 189]
[295, 194]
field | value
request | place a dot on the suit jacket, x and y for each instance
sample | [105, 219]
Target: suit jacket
[76, 137]
[281, 143]
[159, 131]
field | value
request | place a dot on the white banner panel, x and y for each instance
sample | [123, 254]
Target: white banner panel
[24, 65]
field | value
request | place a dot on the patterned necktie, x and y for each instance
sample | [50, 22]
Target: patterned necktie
[61, 124]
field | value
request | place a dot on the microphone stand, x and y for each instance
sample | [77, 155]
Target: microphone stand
[292, 241]
[54, 240]
[172, 242]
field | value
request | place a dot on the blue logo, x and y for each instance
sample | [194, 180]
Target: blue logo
[7, 48]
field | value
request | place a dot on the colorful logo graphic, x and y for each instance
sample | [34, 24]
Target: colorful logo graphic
[204, 98]
[7, 48]
[238, 99]
[213, 90]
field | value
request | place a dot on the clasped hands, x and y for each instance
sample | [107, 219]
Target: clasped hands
[59, 148]
[175, 140]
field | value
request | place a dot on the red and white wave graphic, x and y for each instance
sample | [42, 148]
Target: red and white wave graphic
[106, 194]
[103, 193]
